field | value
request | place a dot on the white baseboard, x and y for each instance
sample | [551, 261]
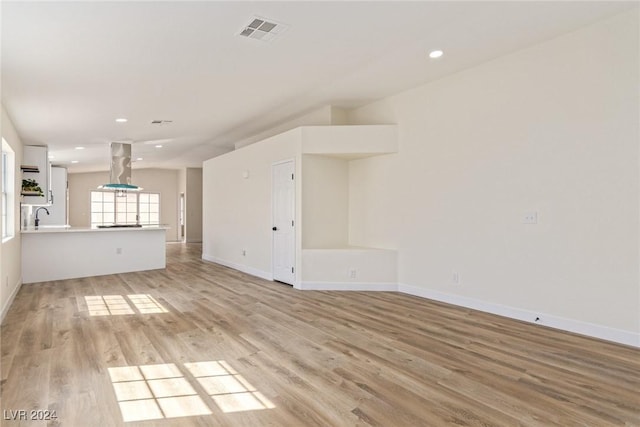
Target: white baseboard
[570, 325]
[7, 304]
[348, 286]
[240, 267]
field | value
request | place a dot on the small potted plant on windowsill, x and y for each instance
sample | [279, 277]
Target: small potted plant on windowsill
[31, 188]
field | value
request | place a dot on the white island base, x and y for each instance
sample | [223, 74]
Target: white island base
[69, 253]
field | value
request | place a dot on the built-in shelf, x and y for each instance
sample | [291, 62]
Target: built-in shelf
[29, 168]
[350, 142]
[35, 168]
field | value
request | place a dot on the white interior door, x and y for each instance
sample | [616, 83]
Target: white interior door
[182, 236]
[283, 199]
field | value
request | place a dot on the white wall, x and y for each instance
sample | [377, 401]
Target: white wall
[325, 200]
[349, 269]
[163, 181]
[193, 205]
[553, 129]
[10, 251]
[237, 210]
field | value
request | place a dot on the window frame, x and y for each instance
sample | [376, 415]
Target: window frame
[7, 184]
[117, 208]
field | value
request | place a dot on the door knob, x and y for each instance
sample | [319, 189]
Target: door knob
[274, 228]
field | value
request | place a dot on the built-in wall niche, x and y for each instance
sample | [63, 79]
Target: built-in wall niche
[325, 202]
[326, 153]
[329, 261]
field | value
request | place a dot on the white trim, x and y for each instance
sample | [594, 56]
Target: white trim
[7, 304]
[562, 323]
[348, 286]
[8, 172]
[240, 267]
[279, 162]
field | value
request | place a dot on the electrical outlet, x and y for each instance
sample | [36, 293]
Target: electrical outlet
[352, 273]
[244, 252]
[530, 217]
[456, 277]
[118, 251]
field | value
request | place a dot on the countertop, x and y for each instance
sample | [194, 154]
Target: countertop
[68, 229]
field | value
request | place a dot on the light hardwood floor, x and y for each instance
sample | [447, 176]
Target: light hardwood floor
[199, 344]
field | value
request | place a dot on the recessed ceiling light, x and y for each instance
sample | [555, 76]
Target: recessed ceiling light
[138, 159]
[158, 146]
[122, 120]
[74, 161]
[79, 148]
[51, 157]
[435, 54]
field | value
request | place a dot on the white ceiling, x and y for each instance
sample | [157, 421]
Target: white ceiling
[69, 69]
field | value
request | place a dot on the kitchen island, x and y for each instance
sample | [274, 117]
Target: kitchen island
[58, 252]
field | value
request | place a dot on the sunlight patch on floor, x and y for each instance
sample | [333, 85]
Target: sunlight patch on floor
[107, 305]
[228, 389]
[151, 392]
[147, 304]
[114, 305]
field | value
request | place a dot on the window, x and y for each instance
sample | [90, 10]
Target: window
[149, 208]
[108, 207]
[8, 192]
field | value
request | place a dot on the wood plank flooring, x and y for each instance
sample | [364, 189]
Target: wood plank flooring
[198, 344]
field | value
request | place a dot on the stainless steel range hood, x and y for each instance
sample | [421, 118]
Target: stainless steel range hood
[120, 175]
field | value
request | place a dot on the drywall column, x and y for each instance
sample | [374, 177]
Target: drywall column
[193, 205]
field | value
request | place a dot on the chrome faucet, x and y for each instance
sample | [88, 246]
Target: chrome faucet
[37, 211]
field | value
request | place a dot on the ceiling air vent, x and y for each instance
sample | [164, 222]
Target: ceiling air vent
[161, 122]
[263, 29]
